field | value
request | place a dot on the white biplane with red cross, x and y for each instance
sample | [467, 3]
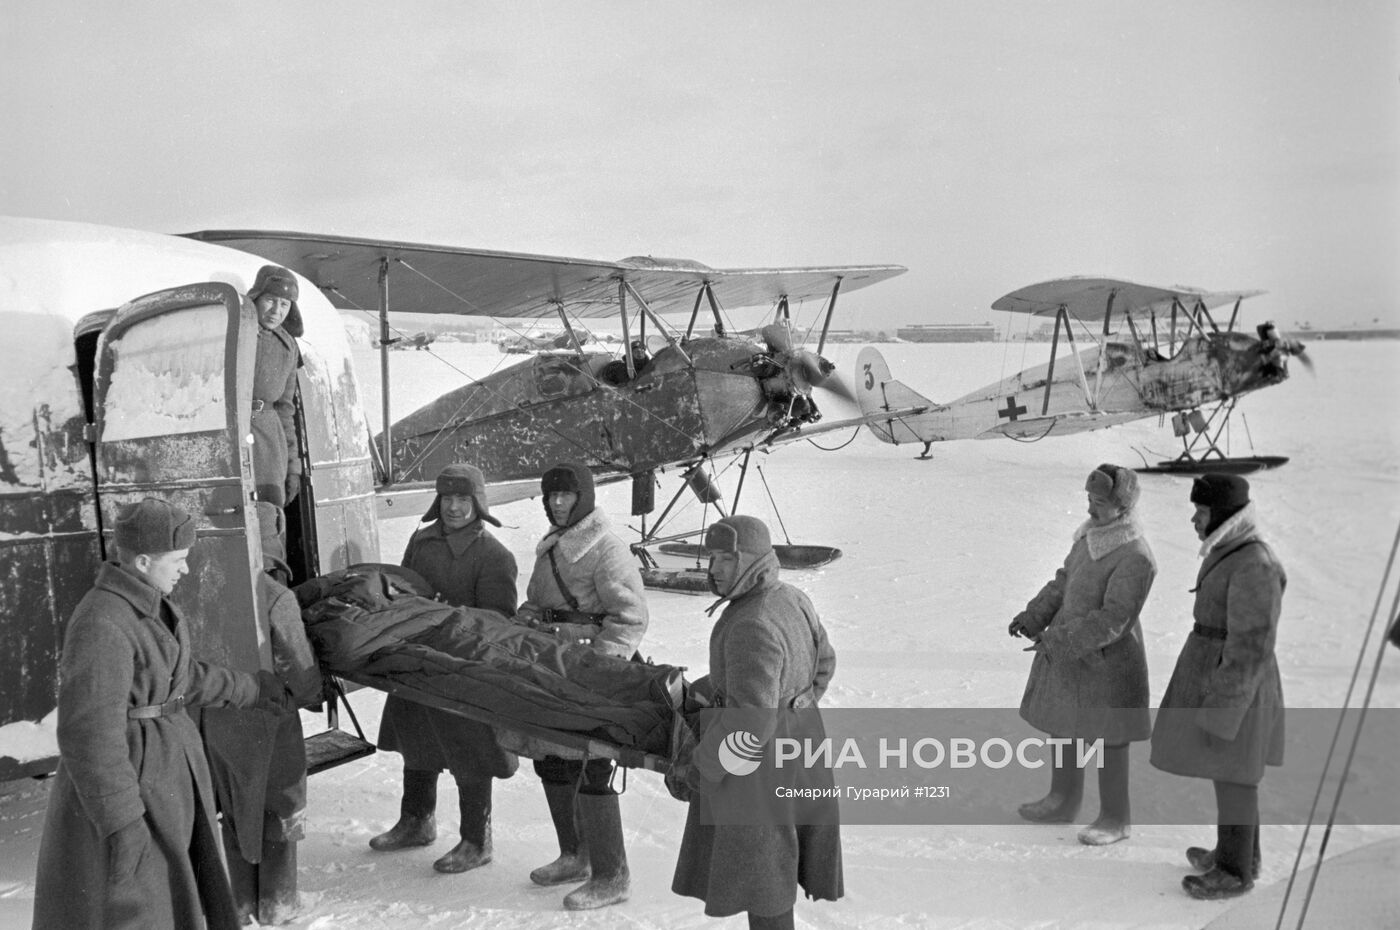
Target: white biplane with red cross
[1171, 358]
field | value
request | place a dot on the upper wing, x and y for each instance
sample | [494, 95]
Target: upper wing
[1087, 299]
[478, 282]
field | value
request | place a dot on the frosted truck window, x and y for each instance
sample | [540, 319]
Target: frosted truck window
[168, 376]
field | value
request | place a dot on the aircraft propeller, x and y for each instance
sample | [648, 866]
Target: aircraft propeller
[1287, 345]
[1296, 349]
[802, 365]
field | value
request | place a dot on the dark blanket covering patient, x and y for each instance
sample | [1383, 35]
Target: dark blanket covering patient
[381, 620]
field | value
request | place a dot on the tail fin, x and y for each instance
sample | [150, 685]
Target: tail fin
[877, 391]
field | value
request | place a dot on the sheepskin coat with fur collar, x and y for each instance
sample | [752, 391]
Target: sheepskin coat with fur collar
[603, 577]
[1090, 678]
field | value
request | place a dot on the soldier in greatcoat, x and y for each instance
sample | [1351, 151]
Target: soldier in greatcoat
[1222, 714]
[129, 837]
[586, 589]
[768, 651]
[467, 567]
[1089, 677]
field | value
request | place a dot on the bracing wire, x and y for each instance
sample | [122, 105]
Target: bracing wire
[442, 437]
[774, 504]
[1336, 736]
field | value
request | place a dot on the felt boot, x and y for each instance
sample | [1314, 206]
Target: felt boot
[1061, 805]
[416, 826]
[600, 822]
[242, 877]
[1230, 876]
[1114, 822]
[1203, 860]
[781, 921]
[277, 883]
[474, 851]
[1216, 885]
[572, 864]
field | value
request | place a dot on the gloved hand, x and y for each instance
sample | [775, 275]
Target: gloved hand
[273, 695]
[293, 486]
[1016, 629]
[677, 782]
[528, 615]
[125, 849]
[701, 693]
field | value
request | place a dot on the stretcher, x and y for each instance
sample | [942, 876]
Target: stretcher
[594, 748]
[370, 626]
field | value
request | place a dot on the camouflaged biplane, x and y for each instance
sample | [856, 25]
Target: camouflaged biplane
[705, 392]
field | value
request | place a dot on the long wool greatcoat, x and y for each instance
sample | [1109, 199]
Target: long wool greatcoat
[467, 568]
[274, 426]
[600, 572]
[767, 648]
[1222, 714]
[1091, 679]
[126, 646]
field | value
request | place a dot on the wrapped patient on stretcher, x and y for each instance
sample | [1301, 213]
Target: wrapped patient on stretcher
[381, 621]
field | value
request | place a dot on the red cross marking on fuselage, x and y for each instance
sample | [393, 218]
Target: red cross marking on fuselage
[1012, 411]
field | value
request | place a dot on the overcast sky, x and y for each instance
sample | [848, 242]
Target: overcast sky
[984, 145]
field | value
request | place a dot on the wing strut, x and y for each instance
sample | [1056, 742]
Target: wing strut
[694, 312]
[665, 334]
[714, 308]
[1078, 362]
[626, 335]
[1098, 373]
[1050, 372]
[568, 327]
[1062, 315]
[384, 366]
[830, 309]
[1203, 311]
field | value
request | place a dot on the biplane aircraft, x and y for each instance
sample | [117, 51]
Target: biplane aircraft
[701, 395]
[527, 344]
[128, 368]
[418, 341]
[1173, 360]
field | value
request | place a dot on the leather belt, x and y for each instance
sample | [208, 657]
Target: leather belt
[1209, 632]
[796, 702]
[560, 615]
[259, 406]
[151, 711]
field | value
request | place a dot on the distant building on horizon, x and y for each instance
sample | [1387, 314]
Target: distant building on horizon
[948, 332]
[1306, 331]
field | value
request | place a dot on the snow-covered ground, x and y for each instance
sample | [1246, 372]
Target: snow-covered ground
[938, 556]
